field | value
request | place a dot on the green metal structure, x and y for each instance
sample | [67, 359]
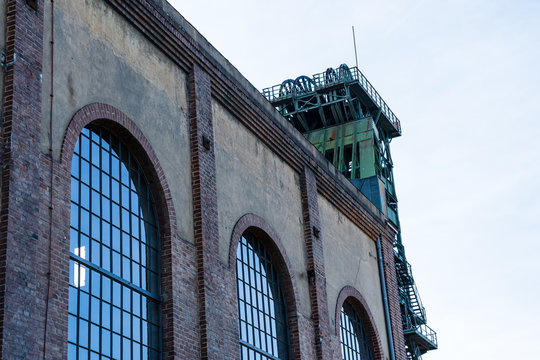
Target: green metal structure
[345, 118]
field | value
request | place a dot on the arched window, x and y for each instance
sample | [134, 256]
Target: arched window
[261, 306]
[114, 310]
[355, 343]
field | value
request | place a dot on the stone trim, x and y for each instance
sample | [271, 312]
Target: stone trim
[260, 228]
[360, 304]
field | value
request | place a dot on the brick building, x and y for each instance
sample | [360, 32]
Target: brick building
[154, 205]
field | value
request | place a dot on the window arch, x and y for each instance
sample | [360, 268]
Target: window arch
[261, 304]
[355, 340]
[114, 308]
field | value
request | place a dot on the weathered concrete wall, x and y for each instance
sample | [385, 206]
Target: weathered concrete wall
[100, 58]
[252, 179]
[350, 258]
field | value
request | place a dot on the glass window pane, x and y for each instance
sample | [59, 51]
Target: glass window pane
[110, 315]
[259, 299]
[355, 343]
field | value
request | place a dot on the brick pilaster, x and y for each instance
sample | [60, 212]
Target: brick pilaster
[315, 262]
[22, 249]
[393, 296]
[218, 329]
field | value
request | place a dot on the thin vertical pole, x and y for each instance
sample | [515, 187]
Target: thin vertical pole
[354, 42]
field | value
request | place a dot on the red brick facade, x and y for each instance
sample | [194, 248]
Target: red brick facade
[23, 243]
[316, 274]
[198, 291]
[217, 325]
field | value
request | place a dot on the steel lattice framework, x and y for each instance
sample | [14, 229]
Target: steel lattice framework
[346, 119]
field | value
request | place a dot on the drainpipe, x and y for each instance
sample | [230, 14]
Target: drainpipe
[385, 300]
[49, 268]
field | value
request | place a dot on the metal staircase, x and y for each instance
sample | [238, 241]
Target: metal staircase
[419, 337]
[346, 119]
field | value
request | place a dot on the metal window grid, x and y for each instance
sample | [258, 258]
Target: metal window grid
[261, 306]
[114, 310]
[355, 343]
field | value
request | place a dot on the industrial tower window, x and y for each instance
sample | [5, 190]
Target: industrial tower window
[261, 306]
[355, 343]
[114, 310]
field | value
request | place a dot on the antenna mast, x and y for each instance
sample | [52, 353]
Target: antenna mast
[354, 42]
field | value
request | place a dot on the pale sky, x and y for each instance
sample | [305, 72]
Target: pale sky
[464, 79]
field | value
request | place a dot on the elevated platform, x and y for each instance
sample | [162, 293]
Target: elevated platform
[423, 336]
[305, 90]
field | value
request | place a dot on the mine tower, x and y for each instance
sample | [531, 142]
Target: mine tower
[345, 118]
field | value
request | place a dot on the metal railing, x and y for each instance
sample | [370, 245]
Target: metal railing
[329, 78]
[425, 331]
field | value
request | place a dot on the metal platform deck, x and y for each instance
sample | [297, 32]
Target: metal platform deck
[329, 81]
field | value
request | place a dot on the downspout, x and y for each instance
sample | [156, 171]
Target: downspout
[51, 207]
[385, 300]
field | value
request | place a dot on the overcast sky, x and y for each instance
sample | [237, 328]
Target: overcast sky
[464, 79]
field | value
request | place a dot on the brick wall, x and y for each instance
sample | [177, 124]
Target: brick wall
[393, 294]
[217, 325]
[23, 268]
[316, 274]
[199, 305]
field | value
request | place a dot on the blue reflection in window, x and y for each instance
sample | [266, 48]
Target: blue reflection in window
[261, 306]
[113, 308]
